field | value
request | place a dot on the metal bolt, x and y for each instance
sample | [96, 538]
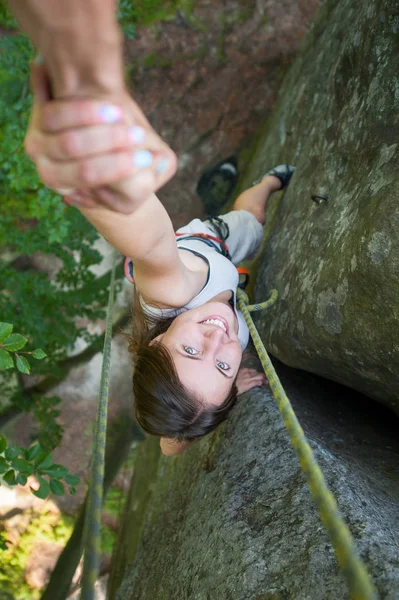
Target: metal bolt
[319, 198]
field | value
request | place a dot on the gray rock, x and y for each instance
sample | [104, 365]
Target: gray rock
[233, 517]
[336, 264]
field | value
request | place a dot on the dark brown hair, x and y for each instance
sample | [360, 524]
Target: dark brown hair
[163, 406]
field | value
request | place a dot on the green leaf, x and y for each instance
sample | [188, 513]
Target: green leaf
[43, 490]
[44, 462]
[42, 455]
[22, 365]
[20, 464]
[71, 479]
[3, 465]
[34, 452]
[38, 353]
[56, 471]
[29, 470]
[5, 331]
[14, 342]
[11, 452]
[56, 487]
[72, 491]
[3, 443]
[60, 468]
[6, 362]
[9, 478]
[21, 479]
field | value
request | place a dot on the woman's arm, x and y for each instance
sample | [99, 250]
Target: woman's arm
[147, 237]
[72, 149]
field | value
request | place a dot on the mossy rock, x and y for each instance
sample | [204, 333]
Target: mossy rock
[336, 264]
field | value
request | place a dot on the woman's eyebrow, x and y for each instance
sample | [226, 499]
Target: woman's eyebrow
[195, 358]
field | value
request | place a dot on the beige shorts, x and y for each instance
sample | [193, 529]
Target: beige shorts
[245, 233]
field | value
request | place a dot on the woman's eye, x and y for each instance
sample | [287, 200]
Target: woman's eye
[224, 366]
[190, 350]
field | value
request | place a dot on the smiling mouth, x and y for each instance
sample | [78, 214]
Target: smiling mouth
[218, 321]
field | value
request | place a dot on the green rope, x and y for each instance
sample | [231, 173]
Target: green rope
[359, 582]
[92, 526]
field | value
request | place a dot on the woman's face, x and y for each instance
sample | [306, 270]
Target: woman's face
[207, 355]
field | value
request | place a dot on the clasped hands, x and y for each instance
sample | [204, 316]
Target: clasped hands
[95, 152]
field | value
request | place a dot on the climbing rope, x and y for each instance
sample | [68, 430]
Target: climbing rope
[92, 526]
[359, 582]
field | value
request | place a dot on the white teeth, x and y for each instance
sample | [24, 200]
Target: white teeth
[216, 322]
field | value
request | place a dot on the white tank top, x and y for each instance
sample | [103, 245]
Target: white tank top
[222, 276]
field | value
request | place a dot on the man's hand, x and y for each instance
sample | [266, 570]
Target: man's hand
[80, 41]
[96, 153]
[248, 379]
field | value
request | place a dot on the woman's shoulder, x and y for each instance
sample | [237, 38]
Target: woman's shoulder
[176, 294]
[193, 261]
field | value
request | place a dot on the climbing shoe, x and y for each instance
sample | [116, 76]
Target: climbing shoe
[282, 172]
[216, 185]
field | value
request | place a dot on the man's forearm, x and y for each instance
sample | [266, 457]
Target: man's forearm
[80, 42]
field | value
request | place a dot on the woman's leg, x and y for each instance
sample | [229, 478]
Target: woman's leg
[254, 199]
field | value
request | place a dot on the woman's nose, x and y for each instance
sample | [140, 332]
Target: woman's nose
[214, 336]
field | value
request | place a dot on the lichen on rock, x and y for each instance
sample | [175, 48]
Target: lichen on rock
[337, 121]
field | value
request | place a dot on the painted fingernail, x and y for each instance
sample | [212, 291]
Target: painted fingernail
[75, 197]
[137, 134]
[64, 191]
[163, 165]
[110, 114]
[142, 159]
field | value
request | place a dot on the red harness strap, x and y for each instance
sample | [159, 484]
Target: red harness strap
[209, 237]
[240, 270]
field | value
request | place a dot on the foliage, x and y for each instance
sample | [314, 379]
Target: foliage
[43, 526]
[33, 219]
[12, 342]
[50, 432]
[17, 464]
[6, 17]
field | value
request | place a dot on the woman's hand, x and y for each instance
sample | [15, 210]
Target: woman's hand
[95, 152]
[248, 379]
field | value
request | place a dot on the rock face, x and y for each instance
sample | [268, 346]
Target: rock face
[201, 78]
[233, 517]
[336, 264]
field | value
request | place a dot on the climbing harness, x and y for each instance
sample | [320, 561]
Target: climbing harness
[221, 229]
[359, 582]
[92, 526]
[218, 243]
